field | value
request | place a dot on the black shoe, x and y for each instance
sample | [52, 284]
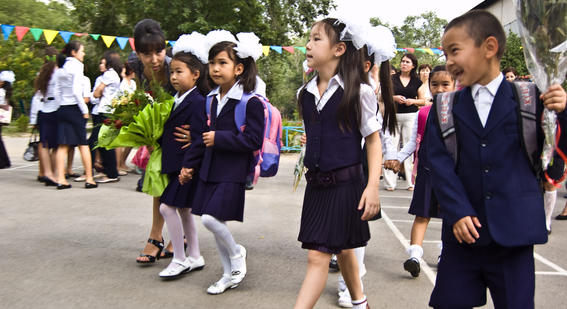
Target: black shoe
[549, 232]
[333, 266]
[565, 196]
[561, 217]
[89, 185]
[62, 187]
[41, 178]
[412, 266]
[48, 182]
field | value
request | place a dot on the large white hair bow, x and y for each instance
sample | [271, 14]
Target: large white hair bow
[8, 76]
[248, 45]
[216, 36]
[194, 43]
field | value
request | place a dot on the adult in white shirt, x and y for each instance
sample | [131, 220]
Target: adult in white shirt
[106, 91]
[72, 114]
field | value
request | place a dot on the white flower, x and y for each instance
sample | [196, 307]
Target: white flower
[194, 43]
[248, 45]
[216, 36]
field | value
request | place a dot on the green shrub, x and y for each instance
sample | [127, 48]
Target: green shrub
[21, 124]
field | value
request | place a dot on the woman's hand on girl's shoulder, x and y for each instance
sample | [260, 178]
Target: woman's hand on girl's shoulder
[370, 202]
[183, 135]
[209, 138]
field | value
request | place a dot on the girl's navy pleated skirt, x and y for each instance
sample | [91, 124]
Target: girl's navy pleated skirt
[47, 123]
[177, 195]
[330, 220]
[71, 126]
[222, 200]
[424, 203]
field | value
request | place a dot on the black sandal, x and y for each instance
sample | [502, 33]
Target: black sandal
[152, 258]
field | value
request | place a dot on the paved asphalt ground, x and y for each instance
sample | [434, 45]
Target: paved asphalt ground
[76, 249]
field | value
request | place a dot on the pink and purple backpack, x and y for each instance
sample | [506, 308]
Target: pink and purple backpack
[267, 159]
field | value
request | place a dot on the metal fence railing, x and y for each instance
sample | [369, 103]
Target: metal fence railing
[287, 131]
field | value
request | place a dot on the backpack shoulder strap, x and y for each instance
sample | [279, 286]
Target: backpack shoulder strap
[525, 95]
[208, 102]
[445, 119]
[240, 111]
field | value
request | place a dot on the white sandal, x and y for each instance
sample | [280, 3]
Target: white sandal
[178, 268]
[220, 286]
[238, 274]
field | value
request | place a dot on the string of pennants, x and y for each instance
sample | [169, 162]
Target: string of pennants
[50, 35]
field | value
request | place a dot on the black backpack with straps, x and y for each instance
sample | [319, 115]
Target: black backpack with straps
[525, 94]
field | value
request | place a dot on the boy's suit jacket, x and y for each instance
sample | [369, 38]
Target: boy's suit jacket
[493, 179]
[230, 158]
[191, 111]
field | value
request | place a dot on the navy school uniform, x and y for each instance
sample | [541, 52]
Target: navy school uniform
[222, 177]
[330, 220]
[190, 111]
[493, 181]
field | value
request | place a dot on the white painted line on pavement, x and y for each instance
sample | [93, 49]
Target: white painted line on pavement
[431, 241]
[424, 267]
[411, 221]
[23, 166]
[550, 273]
[393, 207]
[397, 196]
[550, 264]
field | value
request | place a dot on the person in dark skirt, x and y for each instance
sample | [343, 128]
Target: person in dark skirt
[424, 204]
[46, 92]
[338, 107]
[7, 78]
[72, 114]
[229, 150]
[188, 76]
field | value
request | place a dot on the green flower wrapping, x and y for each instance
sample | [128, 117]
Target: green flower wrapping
[145, 130]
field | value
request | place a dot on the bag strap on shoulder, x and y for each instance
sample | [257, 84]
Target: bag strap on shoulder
[445, 119]
[526, 97]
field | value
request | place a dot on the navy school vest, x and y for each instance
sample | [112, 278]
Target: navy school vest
[329, 148]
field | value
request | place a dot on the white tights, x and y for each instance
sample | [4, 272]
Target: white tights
[225, 242]
[176, 226]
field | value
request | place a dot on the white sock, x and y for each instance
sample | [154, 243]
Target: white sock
[549, 199]
[359, 304]
[415, 251]
[190, 230]
[175, 230]
[359, 253]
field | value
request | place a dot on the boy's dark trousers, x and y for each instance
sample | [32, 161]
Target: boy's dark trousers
[465, 272]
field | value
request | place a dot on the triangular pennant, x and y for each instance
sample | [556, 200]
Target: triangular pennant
[436, 51]
[301, 49]
[172, 43]
[66, 35]
[108, 39]
[7, 30]
[79, 34]
[36, 32]
[21, 31]
[131, 41]
[95, 36]
[429, 51]
[401, 49]
[266, 50]
[49, 35]
[420, 50]
[410, 50]
[121, 41]
[277, 48]
[289, 49]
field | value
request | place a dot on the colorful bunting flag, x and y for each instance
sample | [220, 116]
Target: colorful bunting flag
[289, 49]
[131, 40]
[95, 36]
[80, 34]
[49, 35]
[410, 50]
[121, 41]
[437, 51]
[265, 50]
[108, 39]
[36, 32]
[6, 31]
[66, 35]
[21, 31]
[171, 43]
[429, 51]
[278, 49]
[301, 49]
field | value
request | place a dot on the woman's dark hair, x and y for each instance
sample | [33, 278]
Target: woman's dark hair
[510, 69]
[8, 88]
[71, 46]
[194, 64]
[113, 61]
[413, 60]
[387, 89]
[439, 69]
[47, 69]
[61, 58]
[148, 36]
[128, 69]
[248, 77]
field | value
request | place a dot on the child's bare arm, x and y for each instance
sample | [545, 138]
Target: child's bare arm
[370, 198]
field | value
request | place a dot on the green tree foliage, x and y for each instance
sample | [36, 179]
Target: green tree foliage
[514, 55]
[423, 31]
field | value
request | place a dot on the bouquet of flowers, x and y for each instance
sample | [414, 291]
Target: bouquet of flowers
[138, 120]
